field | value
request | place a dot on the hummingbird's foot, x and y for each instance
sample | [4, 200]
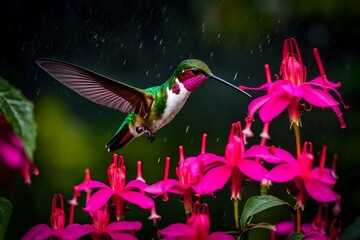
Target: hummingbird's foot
[149, 135]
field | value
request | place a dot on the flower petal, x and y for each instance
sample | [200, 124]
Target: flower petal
[162, 187]
[220, 235]
[137, 198]
[124, 226]
[177, 230]
[121, 235]
[75, 231]
[319, 191]
[136, 184]
[92, 184]
[326, 175]
[283, 173]
[12, 156]
[269, 154]
[252, 169]
[273, 107]
[318, 98]
[213, 180]
[284, 228]
[257, 103]
[39, 232]
[99, 199]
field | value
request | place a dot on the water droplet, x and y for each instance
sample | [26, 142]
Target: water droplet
[141, 44]
[218, 138]
[235, 75]
[165, 139]
[187, 129]
[124, 62]
[159, 160]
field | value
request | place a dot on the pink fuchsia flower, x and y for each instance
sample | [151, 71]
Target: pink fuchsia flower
[308, 180]
[288, 91]
[12, 155]
[119, 191]
[236, 166]
[197, 227]
[57, 229]
[189, 172]
[101, 229]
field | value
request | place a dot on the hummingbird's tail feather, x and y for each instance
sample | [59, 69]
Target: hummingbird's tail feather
[120, 139]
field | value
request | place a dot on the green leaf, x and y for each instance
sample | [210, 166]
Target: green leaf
[296, 236]
[19, 113]
[257, 204]
[352, 232]
[5, 213]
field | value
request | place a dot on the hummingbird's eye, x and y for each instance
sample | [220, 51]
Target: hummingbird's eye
[195, 71]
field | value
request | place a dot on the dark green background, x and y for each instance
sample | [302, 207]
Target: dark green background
[140, 43]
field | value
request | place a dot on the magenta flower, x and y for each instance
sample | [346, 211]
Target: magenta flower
[236, 165]
[308, 180]
[119, 191]
[196, 228]
[12, 154]
[292, 88]
[189, 172]
[57, 229]
[101, 229]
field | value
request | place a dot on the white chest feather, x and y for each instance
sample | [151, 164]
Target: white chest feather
[174, 103]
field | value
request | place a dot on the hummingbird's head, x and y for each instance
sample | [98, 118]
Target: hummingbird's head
[192, 72]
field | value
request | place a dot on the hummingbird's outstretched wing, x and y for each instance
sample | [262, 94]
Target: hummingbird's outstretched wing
[98, 88]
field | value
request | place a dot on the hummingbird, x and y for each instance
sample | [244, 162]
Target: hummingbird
[148, 109]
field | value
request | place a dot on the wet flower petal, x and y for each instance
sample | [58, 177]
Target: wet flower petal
[326, 175]
[283, 173]
[137, 184]
[213, 180]
[124, 226]
[252, 169]
[137, 198]
[220, 235]
[178, 230]
[257, 103]
[318, 98]
[39, 232]
[319, 191]
[273, 107]
[98, 199]
[269, 154]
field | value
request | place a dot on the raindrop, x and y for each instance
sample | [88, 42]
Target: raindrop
[235, 75]
[158, 75]
[211, 54]
[147, 72]
[218, 138]
[218, 35]
[187, 129]
[159, 160]
[161, 40]
[165, 139]
[124, 62]
[141, 44]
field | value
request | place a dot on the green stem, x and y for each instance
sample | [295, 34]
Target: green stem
[297, 139]
[236, 214]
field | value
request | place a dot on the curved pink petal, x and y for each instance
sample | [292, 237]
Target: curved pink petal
[339, 115]
[262, 87]
[319, 191]
[75, 231]
[10, 155]
[39, 232]
[92, 184]
[291, 90]
[210, 158]
[257, 103]
[213, 180]
[283, 173]
[319, 81]
[177, 230]
[284, 228]
[137, 199]
[220, 235]
[124, 226]
[136, 184]
[269, 154]
[162, 187]
[326, 175]
[99, 199]
[252, 169]
[315, 235]
[121, 235]
[273, 107]
[318, 98]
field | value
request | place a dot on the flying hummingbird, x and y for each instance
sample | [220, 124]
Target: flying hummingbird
[148, 109]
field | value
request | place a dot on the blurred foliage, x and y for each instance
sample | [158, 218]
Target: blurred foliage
[140, 43]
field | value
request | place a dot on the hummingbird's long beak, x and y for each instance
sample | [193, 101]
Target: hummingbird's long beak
[229, 84]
